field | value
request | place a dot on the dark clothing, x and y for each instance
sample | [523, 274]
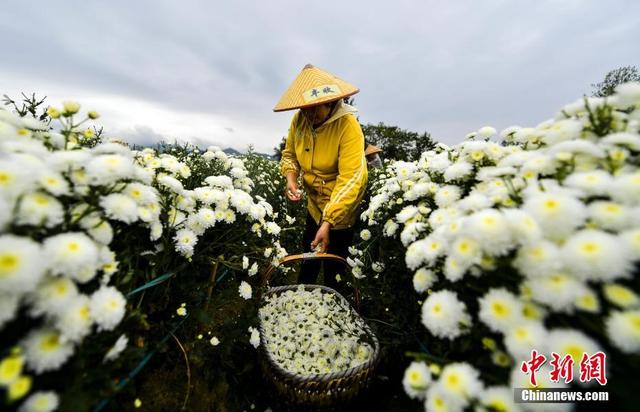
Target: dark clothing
[339, 242]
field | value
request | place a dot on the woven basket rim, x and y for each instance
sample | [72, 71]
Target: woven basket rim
[321, 377]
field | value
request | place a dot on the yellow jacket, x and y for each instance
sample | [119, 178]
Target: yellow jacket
[334, 169]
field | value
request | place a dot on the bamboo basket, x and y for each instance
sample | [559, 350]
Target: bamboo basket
[329, 391]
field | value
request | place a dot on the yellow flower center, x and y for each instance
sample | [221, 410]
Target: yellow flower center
[437, 308]
[575, 351]
[551, 204]
[500, 309]
[522, 333]
[5, 178]
[73, 246]
[84, 313]
[41, 200]
[23, 132]
[113, 304]
[590, 247]
[50, 343]
[8, 263]
[612, 208]
[453, 380]
[61, 288]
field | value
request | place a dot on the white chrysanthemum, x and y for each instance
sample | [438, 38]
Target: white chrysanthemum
[631, 239]
[120, 207]
[461, 380]
[564, 341]
[223, 182]
[491, 230]
[206, 217]
[455, 268]
[54, 183]
[44, 350]
[625, 188]
[241, 201]
[444, 315]
[524, 227]
[39, 209]
[22, 264]
[500, 310]
[116, 349]
[623, 330]
[628, 95]
[487, 131]
[365, 234]
[424, 251]
[254, 338]
[458, 170]
[141, 194]
[98, 228]
[416, 380]
[390, 228]
[41, 401]
[498, 398]
[74, 319]
[407, 213]
[245, 290]
[562, 130]
[524, 337]
[596, 255]
[439, 400]
[539, 163]
[620, 295]
[171, 183]
[558, 214]
[558, 291]
[106, 169]
[423, 279]
[52, 295]
[72, 254]
[9, 303]
[447, 195]
[593, 182]
[610, 215]
[107, 307]
[185, 241]
[539, 258]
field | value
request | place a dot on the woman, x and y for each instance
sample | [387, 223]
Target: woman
[326, 145]
[372, 154]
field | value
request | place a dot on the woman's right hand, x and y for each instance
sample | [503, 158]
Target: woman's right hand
[293, 193]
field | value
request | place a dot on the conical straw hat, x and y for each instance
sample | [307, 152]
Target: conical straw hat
[314, 86]
[371, 149]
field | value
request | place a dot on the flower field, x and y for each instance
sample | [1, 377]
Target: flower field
[132, 277]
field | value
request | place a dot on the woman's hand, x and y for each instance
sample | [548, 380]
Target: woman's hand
[292, 192]
[322, 238]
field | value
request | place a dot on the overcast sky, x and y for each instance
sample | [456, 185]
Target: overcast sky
[210, 72]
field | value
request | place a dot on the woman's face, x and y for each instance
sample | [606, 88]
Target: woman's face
[317, 114]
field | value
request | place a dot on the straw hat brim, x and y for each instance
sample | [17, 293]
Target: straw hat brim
[371, 149]
[314, 86]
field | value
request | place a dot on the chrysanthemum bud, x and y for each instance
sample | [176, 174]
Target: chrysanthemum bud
[53, 112]
[70, 108]
[93, 114]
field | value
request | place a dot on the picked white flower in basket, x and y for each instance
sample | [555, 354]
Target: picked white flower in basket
[317, 352]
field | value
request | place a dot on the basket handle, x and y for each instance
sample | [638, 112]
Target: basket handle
[310, 256]
[301, 257]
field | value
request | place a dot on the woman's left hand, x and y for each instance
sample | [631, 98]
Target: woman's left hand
[322, 238]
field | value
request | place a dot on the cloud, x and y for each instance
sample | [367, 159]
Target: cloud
[198, 70]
